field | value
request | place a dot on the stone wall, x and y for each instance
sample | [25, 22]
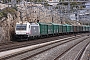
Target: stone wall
[7, 27]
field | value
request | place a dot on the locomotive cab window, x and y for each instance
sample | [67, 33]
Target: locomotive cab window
[21, 26]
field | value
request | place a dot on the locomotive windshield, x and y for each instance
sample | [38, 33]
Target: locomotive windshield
[21, 26]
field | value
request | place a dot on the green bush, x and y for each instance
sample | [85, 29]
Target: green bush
[1, 14]
[7, 10]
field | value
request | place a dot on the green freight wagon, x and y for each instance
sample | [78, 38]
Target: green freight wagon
[50, 28]
[66, 28]
[55, 28]
[89, 28]
[43, 28]
[71, 28]
[86, 28]
[83, 28]
[60, 28]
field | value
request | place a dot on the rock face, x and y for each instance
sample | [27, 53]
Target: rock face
[2, 35]
[7, 27]
[39, 12]
[2, 6]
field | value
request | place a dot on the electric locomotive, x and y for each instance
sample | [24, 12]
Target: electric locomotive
[26, 30]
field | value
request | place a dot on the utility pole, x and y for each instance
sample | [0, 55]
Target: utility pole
[52, 16]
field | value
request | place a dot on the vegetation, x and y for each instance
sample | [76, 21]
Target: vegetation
[1, 15]
[7, 10]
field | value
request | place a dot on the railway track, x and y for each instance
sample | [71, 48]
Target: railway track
[74, 53]
[86, 53]
[42, 49]
[53, 55]
[14, 45]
